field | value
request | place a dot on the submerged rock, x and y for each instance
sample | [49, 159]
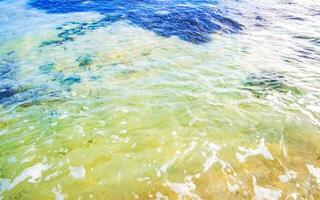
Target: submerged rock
[71, 80]
[14, 91]
[84, 61]
[68, 33]
[24, 95]
[8, 82]
[6, 92]
[11, 91]
[47, 68]
[266, 82]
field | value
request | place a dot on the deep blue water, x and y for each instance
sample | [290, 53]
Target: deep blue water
[191, 21]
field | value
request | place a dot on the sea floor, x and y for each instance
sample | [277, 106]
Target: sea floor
[115, 110]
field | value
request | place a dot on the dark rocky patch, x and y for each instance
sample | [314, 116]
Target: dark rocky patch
[8, 83]
[11, 91]
[47, 68]
[16, 91]
[267, 82]
[71, 80]
[69, 30]
[84, 61]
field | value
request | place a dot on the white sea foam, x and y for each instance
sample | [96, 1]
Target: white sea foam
[160, 196]
[314, 171]
[288, 176]
[232, 188]
[293, 196]
[55, 174]
[171, 162]
[166, 165]
[27, 159]
[32, 174]
[184, 189]
[263, 193]
[211, 154]
[58, 194]
[77, 172]
[247, 152]
[191, 146]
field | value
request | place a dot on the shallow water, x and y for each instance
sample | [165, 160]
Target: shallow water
[159, 99]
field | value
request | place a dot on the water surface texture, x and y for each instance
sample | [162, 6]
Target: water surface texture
[159, 99]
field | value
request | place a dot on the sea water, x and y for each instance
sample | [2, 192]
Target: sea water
[159, 99]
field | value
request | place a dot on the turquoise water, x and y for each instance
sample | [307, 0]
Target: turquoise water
[159, 99]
